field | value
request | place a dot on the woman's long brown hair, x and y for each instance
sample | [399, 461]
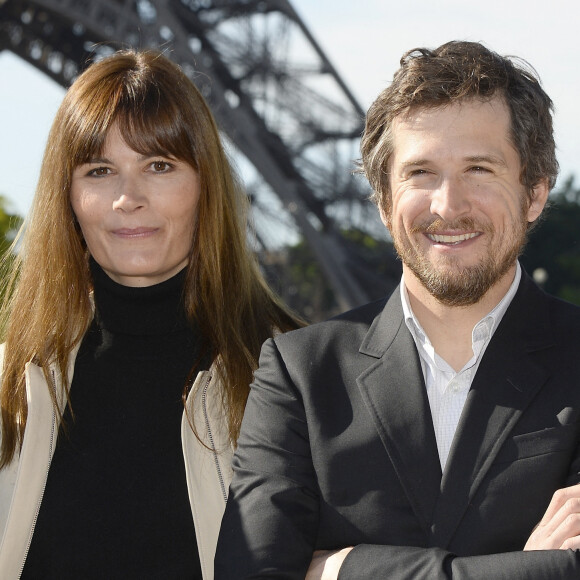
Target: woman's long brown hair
[158, 110]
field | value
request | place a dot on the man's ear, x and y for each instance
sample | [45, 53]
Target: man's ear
[384, 217]
[539, 197]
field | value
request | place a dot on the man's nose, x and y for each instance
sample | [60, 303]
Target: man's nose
[451, 199]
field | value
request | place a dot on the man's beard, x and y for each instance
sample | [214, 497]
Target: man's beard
[455, 285]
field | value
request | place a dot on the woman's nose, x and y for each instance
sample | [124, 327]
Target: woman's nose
[128, 196]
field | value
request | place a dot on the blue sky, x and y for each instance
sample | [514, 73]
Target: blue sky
[364, 40]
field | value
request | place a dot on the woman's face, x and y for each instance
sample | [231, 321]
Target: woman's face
[137, 212]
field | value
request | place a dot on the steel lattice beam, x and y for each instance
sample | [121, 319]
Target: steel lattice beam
[273, 91]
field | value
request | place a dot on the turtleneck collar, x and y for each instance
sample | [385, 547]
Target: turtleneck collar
[139, 311]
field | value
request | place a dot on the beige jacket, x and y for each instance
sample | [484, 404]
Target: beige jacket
[208, 469]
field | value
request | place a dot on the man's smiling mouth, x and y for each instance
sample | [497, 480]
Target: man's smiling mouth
[446, 239]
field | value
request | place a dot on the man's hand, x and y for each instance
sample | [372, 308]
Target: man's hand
[326, 564]
[560, 526]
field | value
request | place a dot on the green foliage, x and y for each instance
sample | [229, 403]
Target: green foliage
[9, 225]
[380, 259]
[554, 246]
[299, 279]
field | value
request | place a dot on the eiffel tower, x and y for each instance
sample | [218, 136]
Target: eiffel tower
[290, 119]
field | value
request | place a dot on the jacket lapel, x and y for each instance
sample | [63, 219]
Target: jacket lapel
[23, 481]
[394, 393]
[33, 463]
[507, 380]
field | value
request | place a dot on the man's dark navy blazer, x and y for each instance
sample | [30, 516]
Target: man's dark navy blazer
[338, 449]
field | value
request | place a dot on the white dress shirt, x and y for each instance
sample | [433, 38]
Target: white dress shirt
[446, 389]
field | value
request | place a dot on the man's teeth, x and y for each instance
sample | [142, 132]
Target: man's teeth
[441, 239]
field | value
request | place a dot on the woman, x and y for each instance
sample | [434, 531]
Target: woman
[136, 317]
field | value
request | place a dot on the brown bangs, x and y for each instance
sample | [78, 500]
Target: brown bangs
[157, 128]
[148, 115]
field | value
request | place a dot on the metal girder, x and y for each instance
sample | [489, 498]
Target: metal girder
[271, 88]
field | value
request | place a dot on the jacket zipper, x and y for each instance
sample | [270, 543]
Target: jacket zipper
[211, 439]
[51, 440]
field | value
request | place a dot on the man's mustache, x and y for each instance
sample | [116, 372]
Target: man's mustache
[438, 225]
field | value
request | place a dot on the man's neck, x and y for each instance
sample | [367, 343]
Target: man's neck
[449, 328]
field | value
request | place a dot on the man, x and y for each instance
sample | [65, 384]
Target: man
[425, 436]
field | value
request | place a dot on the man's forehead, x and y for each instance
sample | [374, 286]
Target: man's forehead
[465, 132]
[416, 114]
[476, 126]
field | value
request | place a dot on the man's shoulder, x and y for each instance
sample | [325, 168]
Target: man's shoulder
[348, 326]
[563, 306]
[563, 315]
[544, 316]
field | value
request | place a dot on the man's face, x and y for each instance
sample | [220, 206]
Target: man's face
[459, 212]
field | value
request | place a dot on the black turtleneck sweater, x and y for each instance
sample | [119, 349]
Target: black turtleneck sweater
[116, 502]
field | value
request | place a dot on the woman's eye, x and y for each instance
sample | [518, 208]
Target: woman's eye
[160, 166]
[99, 171]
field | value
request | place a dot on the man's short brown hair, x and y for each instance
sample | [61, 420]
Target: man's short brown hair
[454, 72]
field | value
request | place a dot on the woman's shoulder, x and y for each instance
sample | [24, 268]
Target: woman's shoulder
[206, 400]
[207, 412]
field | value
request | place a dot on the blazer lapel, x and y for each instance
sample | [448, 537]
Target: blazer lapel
[394, 393]
[506, 382]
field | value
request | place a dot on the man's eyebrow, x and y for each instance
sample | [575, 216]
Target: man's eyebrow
[491, 159]
[414, 163]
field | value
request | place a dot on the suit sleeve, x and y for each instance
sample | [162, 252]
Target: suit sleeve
[271, 519]
[574, 473]
[270, 524]
[411, 563]
[366, 562]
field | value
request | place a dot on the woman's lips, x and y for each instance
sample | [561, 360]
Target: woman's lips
[141, 232]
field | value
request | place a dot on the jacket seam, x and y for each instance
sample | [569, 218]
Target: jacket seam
[211, 438]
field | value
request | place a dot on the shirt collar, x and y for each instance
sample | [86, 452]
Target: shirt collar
[486, 326]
